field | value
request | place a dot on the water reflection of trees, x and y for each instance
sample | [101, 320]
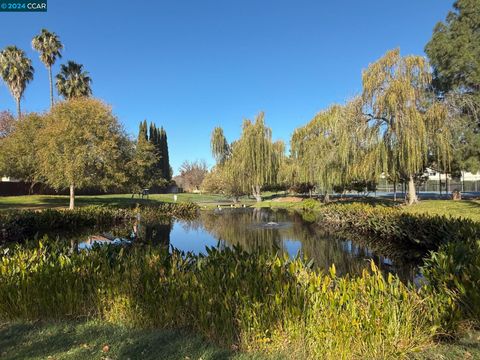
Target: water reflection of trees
[244, 228]
[247, 228]
[349, 252]
[156, 233]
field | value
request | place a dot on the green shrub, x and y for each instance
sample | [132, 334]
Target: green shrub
[450, 249]
[391, 224]
[255, 300]
[310, 204]
[19, 225]
[453, 272]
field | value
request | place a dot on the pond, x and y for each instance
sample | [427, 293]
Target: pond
[275, 231]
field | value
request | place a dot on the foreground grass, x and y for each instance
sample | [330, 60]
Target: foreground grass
[87, 340]
[466, 347]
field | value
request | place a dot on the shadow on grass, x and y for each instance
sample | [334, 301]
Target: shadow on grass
[86, 340]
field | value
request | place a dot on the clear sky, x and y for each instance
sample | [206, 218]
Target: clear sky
[190, 65]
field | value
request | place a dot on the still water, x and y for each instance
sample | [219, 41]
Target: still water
[276, 231]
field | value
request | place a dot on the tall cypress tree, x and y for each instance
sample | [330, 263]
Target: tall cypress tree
[151, 138]
[142, 130]
[166, 159]
[158, 138]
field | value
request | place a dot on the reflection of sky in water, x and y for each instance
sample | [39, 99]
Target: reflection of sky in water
[194, 240]
[293, 247]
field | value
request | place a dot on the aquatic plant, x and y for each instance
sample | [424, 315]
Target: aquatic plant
[254, 300]
[453, 272]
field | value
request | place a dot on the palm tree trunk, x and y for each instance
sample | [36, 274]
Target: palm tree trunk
[19, 113]
[72, 197]
[51, 86]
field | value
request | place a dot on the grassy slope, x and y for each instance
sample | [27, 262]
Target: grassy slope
[86, 340]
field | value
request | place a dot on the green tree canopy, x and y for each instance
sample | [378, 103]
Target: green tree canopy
[454, 52]
[19, 151]
[410, 121]
[335, 148]
[141, 168]
[220, 180]
[219, 145]
[82, 144]
[391, 129]
[454, 49]
[253, 160]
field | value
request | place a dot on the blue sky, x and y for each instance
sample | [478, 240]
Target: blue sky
[190, 65]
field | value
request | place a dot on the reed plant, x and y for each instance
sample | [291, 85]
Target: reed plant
[252, 300]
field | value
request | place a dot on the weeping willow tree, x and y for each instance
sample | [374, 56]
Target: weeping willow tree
[409, 122]
[335, 148]
[219, 145]
[253, 160]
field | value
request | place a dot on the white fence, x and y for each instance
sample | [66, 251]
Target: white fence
[434, 186]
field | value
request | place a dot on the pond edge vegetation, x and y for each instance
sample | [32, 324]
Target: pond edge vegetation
[251, 300]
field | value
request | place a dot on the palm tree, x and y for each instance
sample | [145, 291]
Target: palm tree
[49, 46]
[17, 71]
[73, 82]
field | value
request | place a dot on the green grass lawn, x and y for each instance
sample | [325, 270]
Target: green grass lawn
[463, 208]
[62, 201]
[87, 340]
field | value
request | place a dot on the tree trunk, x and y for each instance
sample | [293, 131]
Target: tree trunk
[440, 183]
[256, 192]
[326, 198]
[394, 191]
[72, 197]
[412, 194]
[51, 86]
[19, 112]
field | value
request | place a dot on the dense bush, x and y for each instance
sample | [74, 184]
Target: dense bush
[390, 223]
[454, 273]
[19, 225]
[450, 248]
[254, 300]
